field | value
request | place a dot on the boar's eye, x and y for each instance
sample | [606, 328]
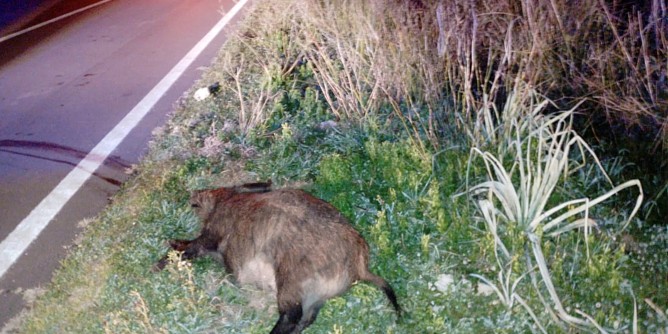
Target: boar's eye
[194, 205]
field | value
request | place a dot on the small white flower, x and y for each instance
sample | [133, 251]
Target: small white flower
[201, 94]
[444, 282]
[326, 125]
[228, 126]
[465, 285]
[484, 289]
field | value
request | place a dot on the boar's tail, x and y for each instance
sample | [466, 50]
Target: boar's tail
[383, 285]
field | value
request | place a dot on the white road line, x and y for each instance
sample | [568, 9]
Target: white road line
[64, 16]
[18, 241]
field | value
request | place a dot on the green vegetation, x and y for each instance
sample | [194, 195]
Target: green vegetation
[437, 130]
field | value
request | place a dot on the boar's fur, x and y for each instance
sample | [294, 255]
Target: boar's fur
[283, 240]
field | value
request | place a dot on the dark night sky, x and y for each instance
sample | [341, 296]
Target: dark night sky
[11, 10]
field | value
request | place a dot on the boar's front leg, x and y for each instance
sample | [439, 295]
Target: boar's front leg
[202, 245]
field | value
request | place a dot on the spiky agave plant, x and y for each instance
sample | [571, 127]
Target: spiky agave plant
[534, 153]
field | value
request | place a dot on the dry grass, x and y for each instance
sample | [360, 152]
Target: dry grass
[407, 57]
[439, 66]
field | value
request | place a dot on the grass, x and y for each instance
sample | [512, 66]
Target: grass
[391, 111]
[544, 150]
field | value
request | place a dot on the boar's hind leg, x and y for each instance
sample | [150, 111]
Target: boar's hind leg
[309, 317]
[293, 318]
[288, 320]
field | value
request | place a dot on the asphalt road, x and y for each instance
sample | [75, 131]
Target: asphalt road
[63, 87]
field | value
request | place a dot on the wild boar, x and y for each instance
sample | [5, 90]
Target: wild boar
[283, 240]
